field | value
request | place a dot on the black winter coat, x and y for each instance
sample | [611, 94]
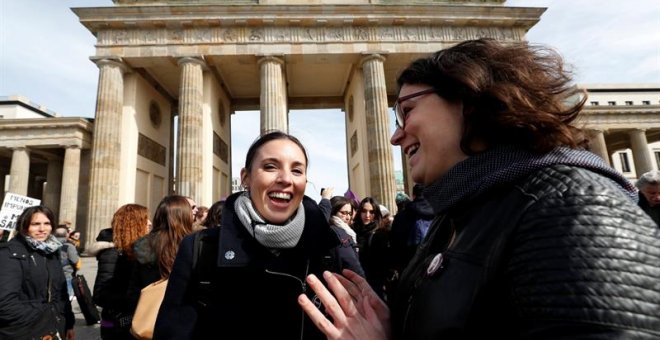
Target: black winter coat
[24, 295]
[112, 278]
[562, 254]
[254, 293]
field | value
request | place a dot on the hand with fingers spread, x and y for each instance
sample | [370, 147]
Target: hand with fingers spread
[356, 310]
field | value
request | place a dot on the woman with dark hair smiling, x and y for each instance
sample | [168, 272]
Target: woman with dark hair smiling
[250, 270]
[534, 236]
[34, 302]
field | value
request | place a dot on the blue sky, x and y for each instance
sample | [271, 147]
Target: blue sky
[44, 55]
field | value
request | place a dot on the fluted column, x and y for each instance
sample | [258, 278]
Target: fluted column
[106, 148]
[70, 179]
[19, 171]
[381, 168]
[53, 186]
[273, 101]
[598, 145]
[189, 165]
[640, 149]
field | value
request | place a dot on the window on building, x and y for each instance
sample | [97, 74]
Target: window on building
[629, 102]
[611, 103]
[657, 158]
[594, 103]
[646, 102]
[625, 164]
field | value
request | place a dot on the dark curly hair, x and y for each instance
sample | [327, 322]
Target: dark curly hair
[512, 94]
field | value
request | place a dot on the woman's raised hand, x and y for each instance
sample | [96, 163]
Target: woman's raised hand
[357, 312]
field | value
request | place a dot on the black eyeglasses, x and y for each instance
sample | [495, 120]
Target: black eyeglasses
[398, 112]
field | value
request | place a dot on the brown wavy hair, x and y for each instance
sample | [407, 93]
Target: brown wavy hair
[512, 94]
[172, 222]
[129, 223]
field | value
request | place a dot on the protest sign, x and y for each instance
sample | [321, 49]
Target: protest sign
[12, 207]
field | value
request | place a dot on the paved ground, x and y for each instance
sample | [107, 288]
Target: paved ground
[83, 331]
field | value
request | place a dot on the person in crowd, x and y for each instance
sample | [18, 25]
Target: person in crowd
[387, 216]
[534, 238]
[254, 266]
[401, 201]
[69, 258]
[116, 261]
[341, 212]
[355, 202]
[324, 203]
[410, 226]
[74, 238]
[34, 303]
[200, 217]
[155, 252]
[214, 215]
[373, 244]
[193, 207]
[649, 194]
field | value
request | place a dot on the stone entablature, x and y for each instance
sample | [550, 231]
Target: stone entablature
[295, 35]
[46, 132]
[297, 2]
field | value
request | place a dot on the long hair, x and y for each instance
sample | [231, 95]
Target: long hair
[129, 223]
[512, 94]
[23, 222]
[378, 217]
[214, 216]
[172, 222]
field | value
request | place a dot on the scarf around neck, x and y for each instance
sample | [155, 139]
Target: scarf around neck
[49, 246]
[341, 224]
[503, 165]
[269, 235]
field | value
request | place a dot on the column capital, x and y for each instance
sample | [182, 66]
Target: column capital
[199, 60]
[272, 58]
[642, 130]
[368, 56]
[20, 148]
[111, 61]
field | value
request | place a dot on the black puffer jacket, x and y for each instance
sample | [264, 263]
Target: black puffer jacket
[24, 277]
[112, 278]
[560, 254]
[253, 292]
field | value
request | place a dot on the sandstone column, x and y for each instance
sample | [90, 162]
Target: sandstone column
[598, 145]
[53, 186]
[19, 171]
[106, 148]
[70, 179]
[189, 154]
[381, 168]
[273, 95]
[640, 149]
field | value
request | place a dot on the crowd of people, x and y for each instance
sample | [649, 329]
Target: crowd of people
[514, 230]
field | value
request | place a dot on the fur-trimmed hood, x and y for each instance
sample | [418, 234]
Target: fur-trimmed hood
[98, 246]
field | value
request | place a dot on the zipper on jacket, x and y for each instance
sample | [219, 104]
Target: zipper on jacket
[303, 285]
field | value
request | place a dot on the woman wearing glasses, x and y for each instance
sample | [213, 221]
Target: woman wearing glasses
[535, 237]
[341, 213]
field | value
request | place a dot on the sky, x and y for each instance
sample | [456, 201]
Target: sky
[44, 56]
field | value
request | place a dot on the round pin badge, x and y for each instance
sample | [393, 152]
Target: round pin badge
[229, 255]
[435, 264]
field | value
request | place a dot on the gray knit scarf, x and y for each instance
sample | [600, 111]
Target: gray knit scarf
[48, 246]
[269, 235]
[504, 165]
